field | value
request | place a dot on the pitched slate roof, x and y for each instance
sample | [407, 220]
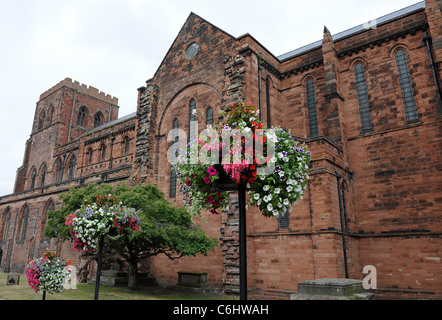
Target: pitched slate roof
[355, 30]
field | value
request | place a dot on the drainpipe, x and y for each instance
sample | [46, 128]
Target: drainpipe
[427, 39]
[259, 86]
[344, 242]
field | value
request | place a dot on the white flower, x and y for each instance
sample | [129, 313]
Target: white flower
[270, 207]
[289, 188]
[275, 213]
[286, 202]
[281, 173]
[256, 196]
[277, 190]
[273, 160]
[265, 188]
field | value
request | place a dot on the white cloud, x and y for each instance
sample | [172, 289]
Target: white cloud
[115, 45]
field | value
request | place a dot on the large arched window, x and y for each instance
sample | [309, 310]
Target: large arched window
[103, 152]
[98, 120]
[23, 224]
[33, 178]
[50, 114]
[209, 116]
[41, 120]
[311, 105]
[192, 120]
[406, 86]
[126, 144]
[364, 107]
[59, 168]
[90, 153]
[81, 117]
[71, 168]
[43, 175]
[49, 207]
[4, 224]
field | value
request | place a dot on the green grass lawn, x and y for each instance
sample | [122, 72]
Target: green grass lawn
[86, 292]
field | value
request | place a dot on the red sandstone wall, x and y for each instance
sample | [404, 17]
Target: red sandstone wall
[391, 175]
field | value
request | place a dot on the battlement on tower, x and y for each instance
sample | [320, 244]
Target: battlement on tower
[83, 88]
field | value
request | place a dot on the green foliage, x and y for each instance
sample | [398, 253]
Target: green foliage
[164, 228]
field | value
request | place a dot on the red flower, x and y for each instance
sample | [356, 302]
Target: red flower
[210, 199]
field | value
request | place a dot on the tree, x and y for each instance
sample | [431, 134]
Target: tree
[165, 228]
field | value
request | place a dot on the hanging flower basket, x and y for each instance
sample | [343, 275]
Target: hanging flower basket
[104, 218]
[269, 161]
[47, 274]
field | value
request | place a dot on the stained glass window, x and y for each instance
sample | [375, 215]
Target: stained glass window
[406, 86]
[364, 107]
[311, 104]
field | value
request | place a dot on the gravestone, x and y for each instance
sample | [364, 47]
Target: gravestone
[13, 279]
[192, 279]
[112, 278]
[331, 289]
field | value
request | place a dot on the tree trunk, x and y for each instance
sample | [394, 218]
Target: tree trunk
[132, 275]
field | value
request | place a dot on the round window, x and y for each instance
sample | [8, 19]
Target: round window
[192, 50]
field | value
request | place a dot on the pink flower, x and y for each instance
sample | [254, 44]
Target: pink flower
[207, 180]
[212, 171]
[188, 182]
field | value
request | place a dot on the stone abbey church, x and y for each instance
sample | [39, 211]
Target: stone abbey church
[366, 101]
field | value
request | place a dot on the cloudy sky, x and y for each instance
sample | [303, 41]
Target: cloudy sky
[116, 45]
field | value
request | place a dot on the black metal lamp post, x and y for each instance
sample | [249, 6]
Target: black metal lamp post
[226, 183]
[242, 242]
[99, 258]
